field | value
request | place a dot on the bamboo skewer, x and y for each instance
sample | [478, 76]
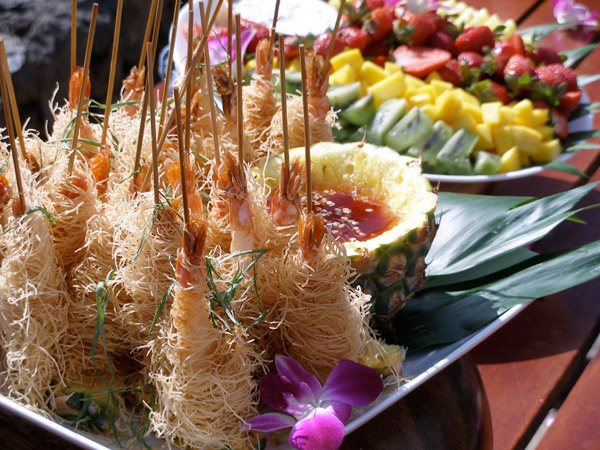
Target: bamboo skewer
[273, 27]
[229, 33]
[111, 76]
[211, 98]
[238, 84]
[334, 34]
[186, 80]
[11, 135]
[306, 129]
[149, 23]
[73, 36]
[86, 71]
[284, 118]
[163, 106]
[140, 141]
[188, 88]
[157, 20]
[13, 101]
[150, 93]
[182, 158]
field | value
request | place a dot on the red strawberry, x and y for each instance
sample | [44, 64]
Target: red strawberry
[373, 4]
[474, 39]
[422, 27]
[503, 51]
[500, 92]
[451, 72]
[556, 74]
[441, 39]
[472, 58]
[321, 45]
[545, 55]
[290, 47]
[420, 61]
[377, 49]
[262, 32]
[540, 104]
[518, 65]
[354, 37]
[561, 123]
[380, 24]
[380, 60]
[517, 42]
[444, 25]
[569, 102]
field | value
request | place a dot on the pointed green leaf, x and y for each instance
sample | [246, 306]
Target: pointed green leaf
[573, 56]
[562, 166]
[578, 136]
[584, 109]
[583, 80]
[541, 31]
[493, 231]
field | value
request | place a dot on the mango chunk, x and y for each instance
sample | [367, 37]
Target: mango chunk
[344, 75]
[507, 115]
[486, 140]
[527, 139]
[465, 120]
[294, 65]
[547, 132]
[503, 139]
[372, 73]
[392, 87]
[490, 113]
[548, 151]
[390, 68]
[352, 57]
[448, 105]
[433, 76]
[510, 161]
[439, 87]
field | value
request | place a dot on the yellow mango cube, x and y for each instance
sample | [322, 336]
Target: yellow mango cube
[507, 115]
[527, 139]
[353, 57]
[432, 111]
[486, 141]
[540, 117]
[524, 159]
[490, 113]
[250, 65]
[503, 139]
[344, 75]
[390, 68]
[548, 151]
[392, 87]
[524, 107]
[510, 161]
[433, 76]
[466, 97]
[439, 87]
[372, 73]
[449, 106]
[294, 65]
[475, 111]
[413, 83]
[465, 120]
[421, 99]
[547, 132]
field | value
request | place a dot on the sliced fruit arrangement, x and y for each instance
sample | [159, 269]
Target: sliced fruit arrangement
[450, 128]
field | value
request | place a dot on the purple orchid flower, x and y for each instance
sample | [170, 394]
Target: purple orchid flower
[568, 12]
[316, 413]
[217, 47]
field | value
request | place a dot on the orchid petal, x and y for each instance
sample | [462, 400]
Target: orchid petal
[352, 383]
[270, 422]
[290, 368]
[275, 390]
[302, 403]
[339, 409]
[321, 430]
[217, 47]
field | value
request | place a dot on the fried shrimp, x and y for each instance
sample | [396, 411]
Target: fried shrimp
[317, 83]
[310, 234]
[75, 88]
[99, 166]
[285, 204]
[133, 89]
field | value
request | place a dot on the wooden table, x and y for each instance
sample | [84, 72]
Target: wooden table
[537, 362]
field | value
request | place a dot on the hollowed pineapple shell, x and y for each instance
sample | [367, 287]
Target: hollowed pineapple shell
[391, 266]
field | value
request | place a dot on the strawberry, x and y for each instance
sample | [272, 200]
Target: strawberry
[500, 92]
[354, 37]
[290, 47]
[556, 74]
[540, 104]
[545, 55]
[517, 42]
[380, 60]
[420, 61]
[451, 72]
[474, 39]
[503, 52]
[373, 4]
[473, 59]
[417, 28]
[518, 65]
[561, 123]
[444, 25]
[443, 40]
[261, 32]
[380, 24]
[377, 49]
[569, 102]
[321, 45]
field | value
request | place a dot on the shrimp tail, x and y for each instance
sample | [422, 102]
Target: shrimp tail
[311, 233]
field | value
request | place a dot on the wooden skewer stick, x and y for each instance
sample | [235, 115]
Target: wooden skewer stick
[11, 135]
[73, 35]
[211, 98]
[13, 99]
[306, 129]
[334, 34]
[111, 76]
[186, 80]
[188, 88]
[182, 158]
[138, 153]
[163, 106]
[149, 23]
[229, 33]
[86, 71]
[150, 91]
[273, 27]
[157, 20]
[284, 118]
[238, 84]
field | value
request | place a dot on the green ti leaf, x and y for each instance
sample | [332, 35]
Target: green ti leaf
[562, 166]
[573, 56]
[584, 80]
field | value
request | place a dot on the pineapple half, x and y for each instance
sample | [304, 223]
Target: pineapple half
[391, 265]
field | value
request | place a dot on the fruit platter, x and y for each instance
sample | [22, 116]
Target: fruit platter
[254, 256]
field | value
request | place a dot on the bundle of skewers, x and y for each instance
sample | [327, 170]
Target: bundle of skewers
[145, 272]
